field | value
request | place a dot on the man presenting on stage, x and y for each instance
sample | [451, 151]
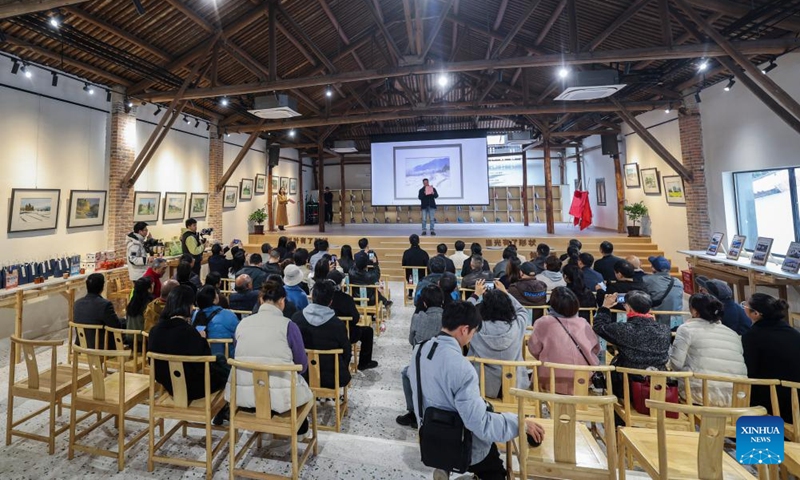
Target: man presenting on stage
[427, 196]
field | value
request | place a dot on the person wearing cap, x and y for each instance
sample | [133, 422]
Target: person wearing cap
[733, 315]
[344, 306]
[529, 291]
[665, 291]
[292, 277]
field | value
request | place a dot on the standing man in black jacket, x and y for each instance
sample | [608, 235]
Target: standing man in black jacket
[328, 205]
[427, 196]
[415, 256]
[192, 244]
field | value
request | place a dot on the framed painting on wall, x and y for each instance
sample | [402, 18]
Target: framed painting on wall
[631, 171]
[229, 197]
[673, 188]
[198, 205]
[174, 206]
[247, 189]
[261, 184]
[600, 186]
[275, 185]
[33, 209]
[651, 184]
[292, 186]
[87, 208]
[145, 206]
[285, 184]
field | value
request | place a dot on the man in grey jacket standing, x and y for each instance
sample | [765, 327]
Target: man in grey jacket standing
[665, 290]
[450, 382]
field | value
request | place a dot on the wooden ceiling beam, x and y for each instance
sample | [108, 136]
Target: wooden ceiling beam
[100, 23]
[239, 157]
[517, 27]
[738, 10]
[550, 22]
[712, 19]
[193, 16]
[420, 26]
[751, 47]
[14, 8]
[377, 16]
[411, 48]
[572, 23]
[618, 22]
[496, 35]
[435, 32]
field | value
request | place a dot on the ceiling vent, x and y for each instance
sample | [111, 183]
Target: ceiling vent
[519, 138]
[345, 146]
[275, 107]
[591, 85]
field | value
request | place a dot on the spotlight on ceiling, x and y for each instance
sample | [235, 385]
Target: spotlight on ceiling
[227, 133]
[208, 126]
[55, 21]
[329, 92]
[291, 133]
[196, 123]
[703, 65]
[730, 84]
[55, 79]
[442, 80]
[88, 89]
[186, 120]
[669, 108]
[772, 66]
[563, 72]
[223, 101]
[697, 96]
[15, 67]
[158, 110]
[26, 71]
[129, 103]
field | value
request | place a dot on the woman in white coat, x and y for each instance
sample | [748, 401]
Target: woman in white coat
[704, 345]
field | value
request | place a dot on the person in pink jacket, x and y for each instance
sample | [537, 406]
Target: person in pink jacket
[562, 336]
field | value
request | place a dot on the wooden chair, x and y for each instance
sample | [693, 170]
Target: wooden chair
[581, 387]
[226, 286]
[741, 387]
[264, 421]
[669, 454]
[355, 347]
[120, 294]
[81, 332]
[508, 380]
[242, 313]
[225, 342]
[658, 392]
[137, 362]
[465, 293]
[320, 391]
[360, 294]
[568, 450]
[114, 394]
[535, 312]
[591, 311]
[49, 386]
[196, 414]
[410, 288]
[791, 462]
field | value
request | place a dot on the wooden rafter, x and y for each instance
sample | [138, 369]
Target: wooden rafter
[435, 32]
[517, 27]
[618, 22]
[13, 8]
[98, 22]
[238, 160]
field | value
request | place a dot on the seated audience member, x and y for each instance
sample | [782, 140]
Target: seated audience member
[449, 285]
[451, 383]
[289, 308]
[624, 283]
[573, 252]
[216, 321]
[605, 266]
[273, 263]
[466, 267]
[322, 330]
[292, 278]
[265, 249]
[174, 335]
[218, 262]
[771, 350]
[508, 253]
[268, 337]
[441, 251]
[215, 281]
[436, 268]
[238, 260]
[254, 271]
[414, 256]
[323, 247]
[186, 276]
[154, 308]
[593, 280]
[586, 298]
[155, 272]
[734, 315]
[346, 261]
[513, 272]
[425, 324]
[243, 298]
[459, 257]
[291, 247]
[344, 306]
[361, 274]
[141, 296]
[301, 261]
[282, 243]
[93, 309]
[638, 273]
[552, 276]
[641, 342]
[321, 269]
[363, 245]
[476, 272]
[504, 322]
[193, 278]
[563, 337]
[529, 291]
[665, 290]
[542, 252]
[704, 345]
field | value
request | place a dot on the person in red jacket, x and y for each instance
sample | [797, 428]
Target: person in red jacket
[154, 273]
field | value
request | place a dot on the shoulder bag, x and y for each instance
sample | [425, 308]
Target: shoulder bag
[598, 378]
[657, 303]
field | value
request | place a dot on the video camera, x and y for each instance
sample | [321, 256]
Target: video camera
[206, 231]
[153, 246]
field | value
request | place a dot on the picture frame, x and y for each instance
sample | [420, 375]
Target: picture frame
[174, 206]
[33, 209]
[284, 184]
[737, 245]
[651, 183]
[261, 184]
[714, 243]
[292, 186]
[674, 190]
[229, 197]
[631, 172]
[198, 205]
[275, 184]
[600, 188]
[87, 208]
[146, 206]
[246, 190]
[761, 251]
[791, 262]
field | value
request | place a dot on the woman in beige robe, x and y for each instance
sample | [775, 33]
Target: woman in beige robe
[281, 216]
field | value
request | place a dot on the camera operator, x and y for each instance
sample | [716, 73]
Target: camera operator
[137, 251]
[193, 244]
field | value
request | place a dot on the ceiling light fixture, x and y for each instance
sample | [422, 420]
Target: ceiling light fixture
[442, 80]
[129, 103]
[291, 133]
[55, 22]
[158, 110]
[697, 96]
[197, 123]
[669, 108]
[55, 80]
[26, 71]
[703, 65]
[15, 67]
[730, 85]
[208, 126]
[328, 92]
[772, 66]
[108, 95]
[88, 89]
[563, 72]
[186, 119]
[224, 101]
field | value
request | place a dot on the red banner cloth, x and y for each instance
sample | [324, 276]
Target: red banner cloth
[581, 209]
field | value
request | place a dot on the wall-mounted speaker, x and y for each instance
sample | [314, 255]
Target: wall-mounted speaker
[274, 155]
[609, 144]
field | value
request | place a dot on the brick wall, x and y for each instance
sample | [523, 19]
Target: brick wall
[123, 154]
[697, 217]
[215, 172]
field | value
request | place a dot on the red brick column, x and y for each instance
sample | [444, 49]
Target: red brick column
[215, 172]
[123, 153]
[691, 131]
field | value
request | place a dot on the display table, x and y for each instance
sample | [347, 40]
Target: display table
[741, 272]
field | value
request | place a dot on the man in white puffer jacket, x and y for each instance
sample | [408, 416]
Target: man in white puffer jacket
[704, 345]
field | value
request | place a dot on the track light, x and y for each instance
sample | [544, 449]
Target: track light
[186, 119]
[730, 85]
[158, 110]
[108, 95]
[55, 21]
[697, 96]
[772, 66]
[224, 101]
[442, 80]
[703, 65]
[15, 67]
[291, 133]
[669, 108]
[26, 71]
[563, 72]
[196, 123]
[55, 80]
[208, 126]
[227, 134]
[88, 89]
[129, 103]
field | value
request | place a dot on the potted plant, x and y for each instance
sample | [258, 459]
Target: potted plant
[258, 217]
[635, 213]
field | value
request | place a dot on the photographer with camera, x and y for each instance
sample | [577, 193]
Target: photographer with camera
[137, 251]
[194, 244]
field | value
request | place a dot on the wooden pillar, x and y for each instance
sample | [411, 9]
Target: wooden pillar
[343, 190]
[548, 188]
[321, 186]
[526, 219]
[270, 208]
[302, 200]
[620, 194]
[562, 171]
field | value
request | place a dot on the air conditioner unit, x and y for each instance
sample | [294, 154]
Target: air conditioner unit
[275, 107]
[519, 138]
[591, 85]
[345, 146]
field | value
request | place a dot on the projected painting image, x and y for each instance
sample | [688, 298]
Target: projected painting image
[441, 165]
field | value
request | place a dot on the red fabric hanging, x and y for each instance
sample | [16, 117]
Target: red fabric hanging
[581, 209]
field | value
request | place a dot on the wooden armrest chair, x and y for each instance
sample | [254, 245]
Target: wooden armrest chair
[581, 387]
[322, 392]
[410, 287]
[120, 294]
[465, 293]
[670, 454]
[242, 313]
[568, 450]
[87, 334]
[741, 393]
[264, 421]
[361, 295]
[226, 286]
[195, 414]
[658, 392]
[49, 386]
[508, 380]
[535, 312]
[137, 362]
[356, 348]
[113, 394]
[791, 461]
[225, 342]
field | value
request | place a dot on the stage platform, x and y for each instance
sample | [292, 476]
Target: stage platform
[451, 230]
